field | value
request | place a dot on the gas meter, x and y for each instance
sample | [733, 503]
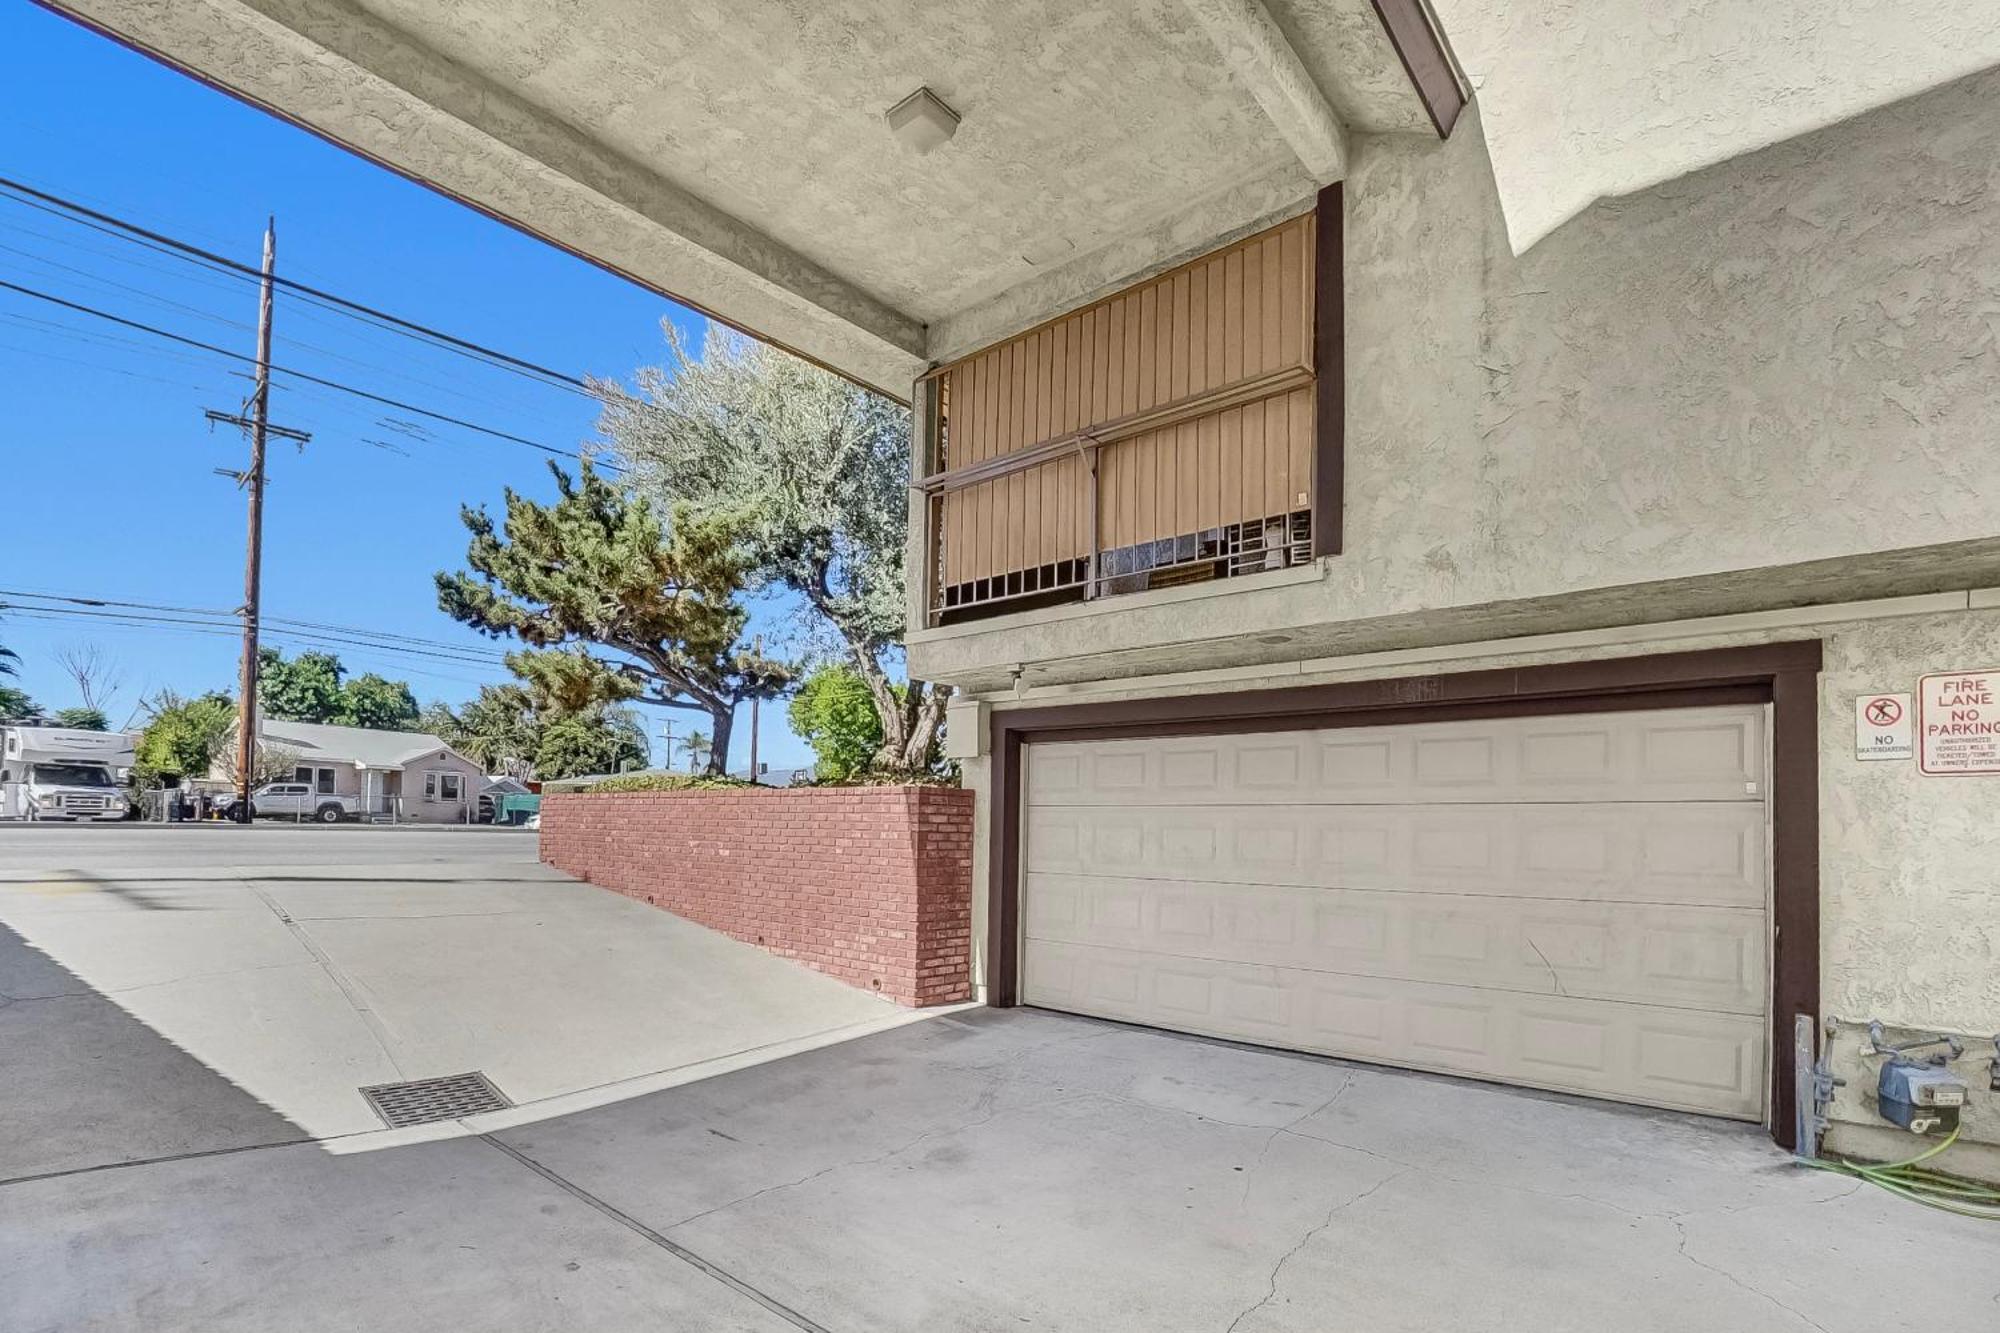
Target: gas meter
[1920, 1095]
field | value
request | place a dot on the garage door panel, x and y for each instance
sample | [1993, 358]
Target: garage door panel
[1694, 957]
[1670, 754]
[1574, 902]
[1681, 1059]
[1699, 853]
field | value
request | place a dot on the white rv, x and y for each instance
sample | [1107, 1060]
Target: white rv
[63, 773]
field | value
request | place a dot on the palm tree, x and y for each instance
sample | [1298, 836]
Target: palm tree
[14, 703]
[695, 745]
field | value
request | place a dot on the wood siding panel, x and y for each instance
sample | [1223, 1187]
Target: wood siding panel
[1224, 320]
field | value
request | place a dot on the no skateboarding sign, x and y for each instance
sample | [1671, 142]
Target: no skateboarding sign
[1882, 727]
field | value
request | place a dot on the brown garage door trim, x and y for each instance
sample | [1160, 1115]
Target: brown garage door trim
[1786, 675]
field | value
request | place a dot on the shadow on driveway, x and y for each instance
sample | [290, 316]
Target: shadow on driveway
[1005, 1170]
[84, 1085]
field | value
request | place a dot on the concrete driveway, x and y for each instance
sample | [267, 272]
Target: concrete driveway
[975, 1170]
[996, 1170]
[188, 989]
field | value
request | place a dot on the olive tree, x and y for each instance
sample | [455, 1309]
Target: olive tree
[810, 474]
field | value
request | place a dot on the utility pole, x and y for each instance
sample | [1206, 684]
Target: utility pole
[668, 727]
[256, 421]
[759, 650]
[253, 560]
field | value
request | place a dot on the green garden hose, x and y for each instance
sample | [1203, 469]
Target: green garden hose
[1912, 1180]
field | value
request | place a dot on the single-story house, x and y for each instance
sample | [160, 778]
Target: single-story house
[409, 776]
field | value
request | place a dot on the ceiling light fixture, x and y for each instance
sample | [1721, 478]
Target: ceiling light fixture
[922, 121]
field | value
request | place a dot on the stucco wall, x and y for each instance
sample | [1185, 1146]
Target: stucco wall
[1910, 865]
[1787, 358]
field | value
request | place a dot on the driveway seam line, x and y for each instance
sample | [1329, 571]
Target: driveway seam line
[678, 1251]
[156, 1161]
[109, 991]
[377, 1032]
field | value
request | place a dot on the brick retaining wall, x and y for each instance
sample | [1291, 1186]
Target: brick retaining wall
[872, 885]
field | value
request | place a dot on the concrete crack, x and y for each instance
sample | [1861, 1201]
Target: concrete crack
[1271, 1280]
[1250, 1173]
[1478, 1180]
[1026, 1053]
[1682, 1250]
[1204, 1119]
[1835, 1197]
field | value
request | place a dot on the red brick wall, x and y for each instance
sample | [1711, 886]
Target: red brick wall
[869, 884]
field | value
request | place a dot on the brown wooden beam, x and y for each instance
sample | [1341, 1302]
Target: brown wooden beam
[1330, 366]
[1424, 59]
[1120, 429]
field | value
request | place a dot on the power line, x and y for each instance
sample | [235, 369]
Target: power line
[153, 298]
[383, 399]
[215, 615]
[101, 220]
[188, 270]
[128, 254]
[288, 637]
[113, 341]
[230, 628]
[100, 367]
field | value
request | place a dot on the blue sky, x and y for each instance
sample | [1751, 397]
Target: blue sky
[107, 486]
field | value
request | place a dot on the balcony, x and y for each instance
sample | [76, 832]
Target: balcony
[1163, 436]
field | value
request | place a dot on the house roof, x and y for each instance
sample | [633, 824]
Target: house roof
[356, 745]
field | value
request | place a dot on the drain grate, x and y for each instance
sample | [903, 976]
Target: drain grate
[425, 1101]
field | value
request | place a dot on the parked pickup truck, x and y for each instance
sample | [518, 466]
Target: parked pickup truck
[296, 800]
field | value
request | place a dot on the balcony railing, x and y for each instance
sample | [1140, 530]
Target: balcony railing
[1163, 436]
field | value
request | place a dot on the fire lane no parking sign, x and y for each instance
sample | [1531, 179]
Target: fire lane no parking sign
[1958, 722]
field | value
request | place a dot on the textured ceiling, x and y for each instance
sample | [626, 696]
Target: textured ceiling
[1081, 122]
[734, 155]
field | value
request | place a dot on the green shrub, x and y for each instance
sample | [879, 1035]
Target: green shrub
[945, 776]
[834, 714]
[650, 782]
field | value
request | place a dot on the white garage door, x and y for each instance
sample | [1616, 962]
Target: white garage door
[1573, 902]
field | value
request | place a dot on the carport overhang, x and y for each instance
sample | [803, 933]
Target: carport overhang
[738, 157]
[740, 162]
